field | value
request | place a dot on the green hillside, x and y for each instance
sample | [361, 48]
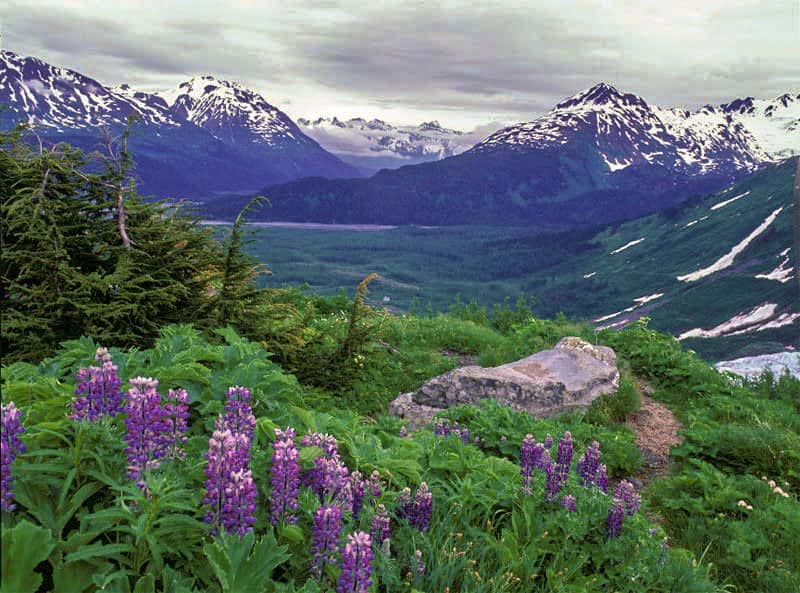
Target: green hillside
[577, 273]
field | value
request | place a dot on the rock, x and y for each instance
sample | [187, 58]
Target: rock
[753, 366]
[567, 378]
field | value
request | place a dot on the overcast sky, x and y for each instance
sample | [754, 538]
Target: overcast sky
[463, 63]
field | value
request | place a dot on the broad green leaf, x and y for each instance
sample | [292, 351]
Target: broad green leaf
[243, 565]
[24, 547]
[146, 584]
[99, 551]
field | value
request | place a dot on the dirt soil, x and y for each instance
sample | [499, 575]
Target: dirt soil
[656, 431]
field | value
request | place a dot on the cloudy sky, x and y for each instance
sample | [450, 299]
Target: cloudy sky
[463, 63]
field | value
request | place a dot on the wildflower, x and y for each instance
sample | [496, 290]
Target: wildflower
[404, 504]
[10, 446]
[530, 456]
[176, 415]
[419, 564]
[548, 442]
[421, 513]
[589, 465]
[563, 461]
[403, 432]
[442, 427]
[326, 442]
[601, 479]
[333, 481]
[375, 484]
[230, 491]
[237, 514]
[284, 477]
[98, 390]
[568, 502]
[357, 493]
[325, 537]
[745, 505]
[625, 493]
[616, 515]
[146, 428]
[356, 564]
[380, 527]
[238, 417]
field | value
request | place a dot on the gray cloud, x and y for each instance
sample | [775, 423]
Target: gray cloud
[461, 62]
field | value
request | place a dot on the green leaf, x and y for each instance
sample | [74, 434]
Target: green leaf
[243, 565]
[24, 547]
[292, 533]
[146, 584]
[73, 577]
[99, 551]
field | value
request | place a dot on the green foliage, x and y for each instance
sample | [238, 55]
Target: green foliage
[738, 436]
[244, 565]
[616, 407]
[24, 548]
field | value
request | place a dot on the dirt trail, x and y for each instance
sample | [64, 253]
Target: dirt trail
[656, 431]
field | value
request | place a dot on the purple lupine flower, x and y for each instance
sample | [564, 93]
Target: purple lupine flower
[375, 484]
[230, 493]
[553, 486]
[548, 442]
[422, 507]
[237, 514]
[589, 465]
[146, 428]
[176, 418]
[404, 505]
[563, 461]
[403, 432]
[476, 441]
[335, 483]
[442, 427]
[568, 502]
[616, 515]
[625, 493]
[419, 565]
[356, 564]
[10, 446]
[326, 442]
[530, 455]
[325, 537]
[357, 492]
[238, 417]
[381, 525]
[602, 478]
[285, 477]
[98, 391]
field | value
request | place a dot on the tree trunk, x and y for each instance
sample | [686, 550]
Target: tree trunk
[797, 227]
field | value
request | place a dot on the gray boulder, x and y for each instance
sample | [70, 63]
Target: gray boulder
[567, 378]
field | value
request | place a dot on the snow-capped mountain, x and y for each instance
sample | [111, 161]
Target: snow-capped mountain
[626, 130]
[231, 112]
[205, 136]
[375, 144]
[600, 156]
[357, 136]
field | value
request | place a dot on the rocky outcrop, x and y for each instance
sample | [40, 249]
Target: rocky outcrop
[567, 378]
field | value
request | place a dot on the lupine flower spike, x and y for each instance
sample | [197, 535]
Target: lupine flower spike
[146, 428]
[568, 502]
[325, 538]
[380, 527]
[230, 491]
[176, 418]
[10, 446]
[356, 564]
[285, 477]
[98, 391]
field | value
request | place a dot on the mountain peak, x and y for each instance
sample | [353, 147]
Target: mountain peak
[601, 93]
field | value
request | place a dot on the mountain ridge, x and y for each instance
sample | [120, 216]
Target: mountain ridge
[218, 136]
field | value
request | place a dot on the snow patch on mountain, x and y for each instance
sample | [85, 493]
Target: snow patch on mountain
[748, 320]
[783, 273]
[627, 245]
[722, 204]
[727, 260]
[754, 366]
